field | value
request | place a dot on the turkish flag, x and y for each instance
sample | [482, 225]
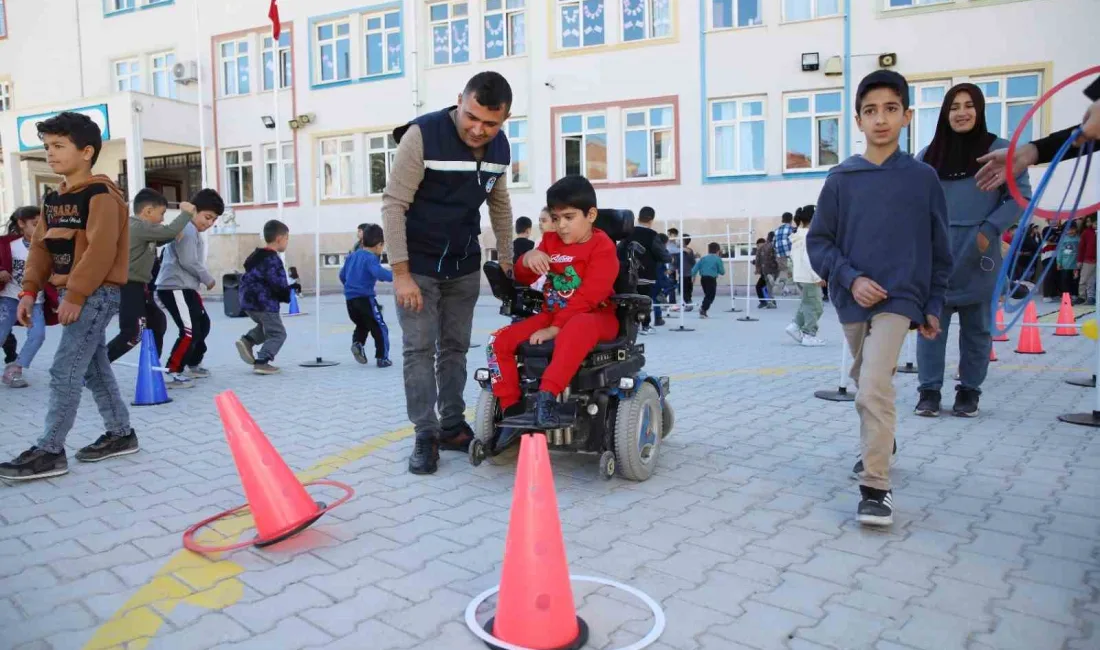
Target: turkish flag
[273, 14]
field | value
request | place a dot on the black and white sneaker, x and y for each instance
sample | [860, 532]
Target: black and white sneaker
[357, 352]
[876, 507]
[928, 405]
[966, 403]
[857, 470]
[34, 464]
[109, 446]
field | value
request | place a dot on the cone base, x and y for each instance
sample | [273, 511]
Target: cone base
[1073, 333]
[151, 403]
[319, 363]
[1039, 352]
[1084, 419]
[839, 395]
[576, 644]
[263, 543]
[1000, 340]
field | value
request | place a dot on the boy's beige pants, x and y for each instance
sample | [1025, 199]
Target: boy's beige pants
[875, 346]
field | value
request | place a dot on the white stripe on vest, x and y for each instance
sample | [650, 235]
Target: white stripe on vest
[494, 168]
[451, 165]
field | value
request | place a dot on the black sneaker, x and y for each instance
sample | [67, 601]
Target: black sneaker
[876, 507]
[357, 352]
[857, 470]
[109, 446]
[763, 305]
[33, 464]
[928, 405]
[456, 438]
[425, 455]
[384, 363]
[966, 403]
[546, 411]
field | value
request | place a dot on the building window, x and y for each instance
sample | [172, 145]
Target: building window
[338, 165]
[584, 146]
[271, 173]
[285, 65]
[505, 28]
[648, 147]
[794, 10]
[5, 96]
[238, 175]
[521, 161]
[450, 24]
[382, 38]
[899, 4]
[164, 84]
[925, 99]
[128, 75]
[119, 5]
[644, 19]
[334, 52]
[234, 64]
[580, 23]
[3, 20]
[1007, 98]
[381, 149]
[812, 133]
[737, 136]
[735, 13]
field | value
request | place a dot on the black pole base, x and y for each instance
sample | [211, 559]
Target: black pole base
[319, 363]
[735, 310]
[909, 368]
[681, 329]
[1081, 380]
[1083, 419]
[839, 395]
[748, 319]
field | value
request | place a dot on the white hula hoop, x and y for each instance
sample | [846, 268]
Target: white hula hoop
[654, 633]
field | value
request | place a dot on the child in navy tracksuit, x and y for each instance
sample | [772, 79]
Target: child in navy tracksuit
[263, 288]
[362, 269]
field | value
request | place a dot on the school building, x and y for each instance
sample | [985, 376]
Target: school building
[713, 111]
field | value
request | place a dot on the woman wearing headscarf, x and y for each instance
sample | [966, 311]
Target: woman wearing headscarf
[977, 219]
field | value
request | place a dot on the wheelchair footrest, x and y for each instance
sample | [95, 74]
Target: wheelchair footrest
[526, 422]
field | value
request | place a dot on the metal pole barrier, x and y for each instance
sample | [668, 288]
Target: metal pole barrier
[841, 394]
[729, 247]
[910, 368]
[1089, 419]
[319, 361]
[681, 328]
[747, 318]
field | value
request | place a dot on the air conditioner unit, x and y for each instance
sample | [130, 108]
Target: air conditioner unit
[185, 72]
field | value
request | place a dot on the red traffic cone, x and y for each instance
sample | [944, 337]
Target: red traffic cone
[280, 505]
[1003, 336]
[1066, 318]
[1029, 342]
[535, 608]
[992, 353]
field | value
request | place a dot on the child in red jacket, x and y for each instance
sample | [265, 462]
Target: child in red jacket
[577, 266]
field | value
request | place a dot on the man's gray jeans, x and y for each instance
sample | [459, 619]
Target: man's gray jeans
[435, 341]
[81, 358]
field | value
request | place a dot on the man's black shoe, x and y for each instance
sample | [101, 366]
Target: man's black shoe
[425, 455]
[456, 438]
[546, 411]
[876, 507]
[929, 404]
[858, 469]
[33, 464]
[966, 403]
[109, 446]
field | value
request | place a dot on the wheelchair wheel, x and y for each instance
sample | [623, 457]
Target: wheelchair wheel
[486, 416]
[668, 418]
[638, 433]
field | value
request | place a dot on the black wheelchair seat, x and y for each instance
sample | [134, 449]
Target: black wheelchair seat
[546, 350]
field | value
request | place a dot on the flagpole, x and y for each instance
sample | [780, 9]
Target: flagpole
[198, 79]
[276, 61]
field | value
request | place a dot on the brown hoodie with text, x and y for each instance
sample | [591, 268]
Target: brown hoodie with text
[82, 242]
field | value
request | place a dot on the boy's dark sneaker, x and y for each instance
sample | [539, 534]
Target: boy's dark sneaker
[547, 414]
[33, 464]
[425, 455]
[966, 403]
[384, 363]
[660, 322]
[763, 305]
[456, 438]
[876, 507]
[264, 368]
[244, 348]
[109, 446]
[929, 404]
[857, 470]
[357, 352]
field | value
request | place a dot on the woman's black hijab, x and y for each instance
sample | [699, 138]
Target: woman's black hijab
[955, 155]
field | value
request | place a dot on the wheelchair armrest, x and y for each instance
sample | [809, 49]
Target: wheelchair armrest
[633, 302]
[499, 282]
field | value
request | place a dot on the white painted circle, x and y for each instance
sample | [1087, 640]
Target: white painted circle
[646, 641]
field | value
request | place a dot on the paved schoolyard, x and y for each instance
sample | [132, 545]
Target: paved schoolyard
[745, 535]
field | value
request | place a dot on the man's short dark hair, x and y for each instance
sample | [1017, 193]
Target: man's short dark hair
[761, 241]
[713, 247]
[372, 235]
[883, 79]
[673, 231]
[787, 217]
[77, 127]
[523, 224]
[491, 90]
[208, 200]
[646, 214]
[362, 227]
[686, 239]
[571, 192]
[149, 198]
[274, 229]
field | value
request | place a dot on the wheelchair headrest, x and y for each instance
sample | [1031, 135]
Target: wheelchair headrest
[618, 224]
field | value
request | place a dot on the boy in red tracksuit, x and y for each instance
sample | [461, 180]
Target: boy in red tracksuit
[577, 266]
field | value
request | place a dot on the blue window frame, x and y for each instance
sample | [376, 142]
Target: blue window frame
[811, 138]
[379, 45]
[735, 13]
[382, 43]
[450, 32]
[644, 19]
[505, 28]
[334, 51]
[580, 23]
[737, 128]
[278, 59]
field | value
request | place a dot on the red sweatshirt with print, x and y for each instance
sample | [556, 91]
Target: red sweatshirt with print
[581, 277]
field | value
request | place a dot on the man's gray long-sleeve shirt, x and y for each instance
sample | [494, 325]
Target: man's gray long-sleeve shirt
[182, 266]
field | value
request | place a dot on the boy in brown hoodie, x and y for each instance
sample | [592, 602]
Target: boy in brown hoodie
[81, 246]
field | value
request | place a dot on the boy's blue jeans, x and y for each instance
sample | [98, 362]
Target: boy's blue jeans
[36, 335]
[82, 358]
[974, 343]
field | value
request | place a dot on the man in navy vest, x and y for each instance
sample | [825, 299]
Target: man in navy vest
[448, 163]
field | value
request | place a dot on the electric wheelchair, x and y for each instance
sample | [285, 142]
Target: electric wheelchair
[613, 407]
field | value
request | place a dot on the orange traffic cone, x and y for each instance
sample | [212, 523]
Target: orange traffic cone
[992, 353]
[535, 608]
[1003, 336]
[280, 505]
[1067, 320]
[1029, 342]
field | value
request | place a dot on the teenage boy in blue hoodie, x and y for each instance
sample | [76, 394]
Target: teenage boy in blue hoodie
[362, 269]
[879, 236]
[263, 288]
